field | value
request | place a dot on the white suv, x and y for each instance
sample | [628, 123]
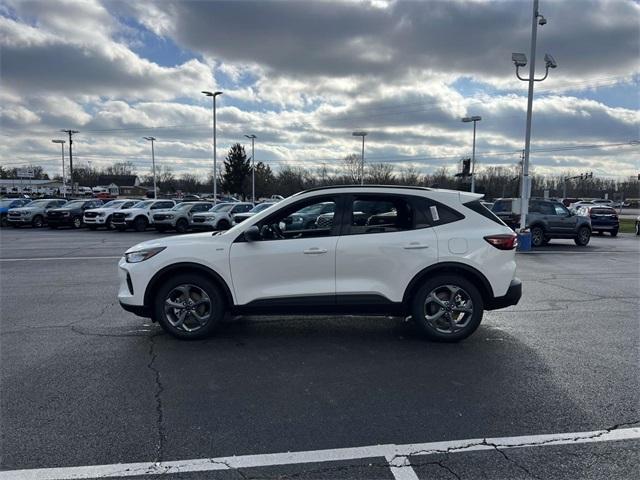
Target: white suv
[139, 216]
[437, 255]
[219, 217]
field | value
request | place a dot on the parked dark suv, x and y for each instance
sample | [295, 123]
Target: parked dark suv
[547, 219]
[71, 213]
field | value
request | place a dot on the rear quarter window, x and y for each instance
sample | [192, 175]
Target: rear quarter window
[430, 213]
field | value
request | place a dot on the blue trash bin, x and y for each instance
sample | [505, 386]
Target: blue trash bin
[524, 241]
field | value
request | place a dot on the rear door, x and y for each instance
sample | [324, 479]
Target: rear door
[386, 240]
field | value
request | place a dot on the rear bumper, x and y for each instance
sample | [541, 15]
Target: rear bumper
[512, 297]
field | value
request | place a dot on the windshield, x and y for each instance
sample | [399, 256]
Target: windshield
[259, 208]
[182, 206]
[75, 204]
[222, 207]
[113, 203]
[37, 203]
[143, 204]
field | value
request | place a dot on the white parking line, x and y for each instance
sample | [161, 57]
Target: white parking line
[396, 456]
[44, 259]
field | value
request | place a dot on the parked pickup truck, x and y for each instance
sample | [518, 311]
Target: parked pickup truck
[33, 213]
[547, 219]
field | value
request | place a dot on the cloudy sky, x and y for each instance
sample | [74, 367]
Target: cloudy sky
[303, 75]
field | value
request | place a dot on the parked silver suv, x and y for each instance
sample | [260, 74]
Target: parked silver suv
[179, 217]
[34, 213]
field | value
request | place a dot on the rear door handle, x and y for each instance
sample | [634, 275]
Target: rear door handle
[315, 251]
[415, 246]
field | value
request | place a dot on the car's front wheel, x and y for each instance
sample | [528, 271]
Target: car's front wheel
[76, 223]
[182, 226]
[223, 225]
[447, 308]
[189, 306]
[583, 237]
[37, 221]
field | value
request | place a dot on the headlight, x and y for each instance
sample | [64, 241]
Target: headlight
[170, 216]
[142, 255]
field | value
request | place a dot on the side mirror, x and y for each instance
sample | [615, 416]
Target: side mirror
[252, 234]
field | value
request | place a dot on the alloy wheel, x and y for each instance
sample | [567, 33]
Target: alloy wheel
[188, 308]
[448, 308]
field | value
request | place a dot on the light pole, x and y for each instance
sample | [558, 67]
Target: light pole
[153, 163]
[475, 119]
[64, 183]
[520, 60]
[213, 95]
[71, 132]
[253, 167]
[361, 134]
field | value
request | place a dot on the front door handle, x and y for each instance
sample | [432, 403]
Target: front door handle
[315, 251]
[415, 246]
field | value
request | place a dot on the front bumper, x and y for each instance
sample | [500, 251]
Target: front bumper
[19, 220]
[95, 220]
[512, 297]
[169, 223]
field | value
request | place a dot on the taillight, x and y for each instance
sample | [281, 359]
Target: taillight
[503, 241]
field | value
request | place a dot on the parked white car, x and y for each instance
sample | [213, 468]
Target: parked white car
[437, 255]
[220, 217]
[101, 217]
[139, 217]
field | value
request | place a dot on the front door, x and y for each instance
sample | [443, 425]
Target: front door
[288, 265]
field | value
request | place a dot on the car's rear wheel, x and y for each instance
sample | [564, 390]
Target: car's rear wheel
[189, 306]
[537, 236]
[583, 236]
[37, 221]
[140, 224]
[182, 226]
[614, 233]
[447, 308]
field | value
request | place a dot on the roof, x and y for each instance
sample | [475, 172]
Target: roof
[331, 187]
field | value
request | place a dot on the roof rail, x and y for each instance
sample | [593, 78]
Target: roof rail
[329, 187]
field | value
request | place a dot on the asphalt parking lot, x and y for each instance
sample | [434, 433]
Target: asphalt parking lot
[546, 389]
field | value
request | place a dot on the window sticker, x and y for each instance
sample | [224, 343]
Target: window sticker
[434, 213]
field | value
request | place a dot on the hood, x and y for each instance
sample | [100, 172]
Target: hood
[131, 210]
[64, 209]
[26, 209]
[177, 241]
[163, 211]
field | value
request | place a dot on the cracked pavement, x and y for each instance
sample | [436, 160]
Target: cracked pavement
[85, 383]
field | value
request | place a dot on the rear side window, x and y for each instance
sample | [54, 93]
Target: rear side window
[477, 207]
[380, 214]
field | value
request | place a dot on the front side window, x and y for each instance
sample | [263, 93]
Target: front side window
[301, 220]
[560, 210]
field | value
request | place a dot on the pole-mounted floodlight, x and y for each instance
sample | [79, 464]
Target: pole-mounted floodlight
[520, 60]
[253, 167]
[153, 163]
[475, 119]
[213, 95]
[361, 134]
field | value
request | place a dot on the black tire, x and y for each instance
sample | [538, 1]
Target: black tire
[76, 223]
[108, 225]
[216, 311]
[614, 233]
[537, 236]
[37, 221]
[140, 224]
[223, 225]
[582, 237]
[182, 226]
[418, 306]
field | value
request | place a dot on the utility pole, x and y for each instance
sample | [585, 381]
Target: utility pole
[361, 134]
[71, 132]
[475, 119]
[520, 60]
[153, 163]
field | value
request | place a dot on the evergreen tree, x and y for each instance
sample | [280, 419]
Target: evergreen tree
[237, 169]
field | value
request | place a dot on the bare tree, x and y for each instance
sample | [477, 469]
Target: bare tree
[380, 173]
